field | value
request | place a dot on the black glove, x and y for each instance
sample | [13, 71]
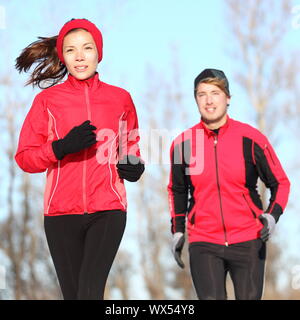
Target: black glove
[130, 168]
[177, 246]
[79, 138]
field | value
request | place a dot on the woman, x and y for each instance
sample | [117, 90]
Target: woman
[217, 164]
[84, 133]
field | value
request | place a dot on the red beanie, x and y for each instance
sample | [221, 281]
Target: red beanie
[82, 24]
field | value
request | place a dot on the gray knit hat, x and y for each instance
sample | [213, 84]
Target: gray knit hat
[212, 73]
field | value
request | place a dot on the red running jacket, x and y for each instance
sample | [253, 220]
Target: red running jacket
[213, 183]
[86, 181]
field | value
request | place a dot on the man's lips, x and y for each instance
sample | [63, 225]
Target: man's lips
[210, 109]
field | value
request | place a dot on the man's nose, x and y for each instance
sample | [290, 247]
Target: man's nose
[209, 99]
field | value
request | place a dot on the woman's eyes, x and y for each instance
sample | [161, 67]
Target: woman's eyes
[70, 50]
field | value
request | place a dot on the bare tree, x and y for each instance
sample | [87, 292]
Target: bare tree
[165, 101]
[120, 275]
[29, 272]
[152, 237]
[266, 72]
[24, 247]
[29, 269]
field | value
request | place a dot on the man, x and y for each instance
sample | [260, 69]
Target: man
[220, 206]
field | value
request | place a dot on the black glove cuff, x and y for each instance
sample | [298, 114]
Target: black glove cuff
[57, 147]
[131, 176]
[130, 168]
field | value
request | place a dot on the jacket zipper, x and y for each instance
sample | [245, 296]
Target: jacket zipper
[219, 189]
[87, 101]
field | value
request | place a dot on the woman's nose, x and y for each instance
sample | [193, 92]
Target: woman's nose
[79, 55]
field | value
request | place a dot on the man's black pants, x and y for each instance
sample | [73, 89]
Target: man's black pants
[244, 261]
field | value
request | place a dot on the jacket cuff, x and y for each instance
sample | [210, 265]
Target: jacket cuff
[276, 216]
[47, 150]
[276, 211]
[178, 224]
[130, 168]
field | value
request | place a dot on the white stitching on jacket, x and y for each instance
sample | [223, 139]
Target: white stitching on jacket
[57, 178]
[110, 168]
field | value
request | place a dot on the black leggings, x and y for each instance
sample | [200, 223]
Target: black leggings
[83, 248]
[244, 261]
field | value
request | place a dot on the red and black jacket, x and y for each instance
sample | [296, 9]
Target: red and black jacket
[213, 183]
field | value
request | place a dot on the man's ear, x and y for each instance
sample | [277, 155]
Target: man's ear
[228, 102]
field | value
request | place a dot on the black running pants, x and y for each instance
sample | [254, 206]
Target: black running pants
[83, 248]
[244, 261]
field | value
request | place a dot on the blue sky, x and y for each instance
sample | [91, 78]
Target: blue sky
[135, 32]
[138, 34]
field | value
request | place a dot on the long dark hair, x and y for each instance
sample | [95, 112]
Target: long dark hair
[49, 69]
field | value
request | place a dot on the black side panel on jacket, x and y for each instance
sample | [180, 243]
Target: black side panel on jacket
[267, 176]
[179, 188]
[251, 172]
[187, 155]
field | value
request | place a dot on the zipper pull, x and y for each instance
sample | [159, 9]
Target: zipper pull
[215, 140]
[226, 244]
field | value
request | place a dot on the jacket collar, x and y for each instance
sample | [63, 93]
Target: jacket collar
[92, 83]
[221, 131]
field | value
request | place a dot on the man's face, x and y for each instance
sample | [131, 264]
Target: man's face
[212, 104]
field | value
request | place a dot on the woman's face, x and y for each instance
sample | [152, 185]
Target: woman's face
[80, 54]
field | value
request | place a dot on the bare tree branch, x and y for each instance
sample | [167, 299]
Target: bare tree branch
[267, 73]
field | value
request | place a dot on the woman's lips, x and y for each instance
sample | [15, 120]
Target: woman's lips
[81, 68]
